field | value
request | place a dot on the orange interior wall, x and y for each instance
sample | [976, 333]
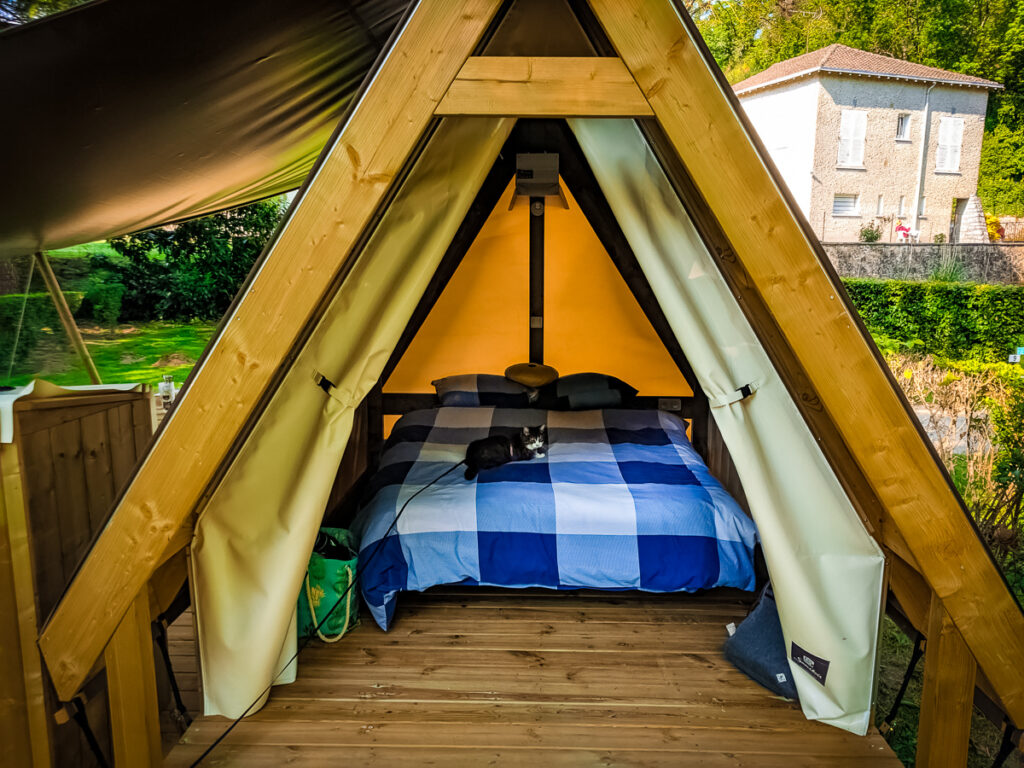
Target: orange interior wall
[480, 323]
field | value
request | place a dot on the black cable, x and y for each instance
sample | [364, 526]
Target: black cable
[360, 567]
[915, 657]
[82, 719]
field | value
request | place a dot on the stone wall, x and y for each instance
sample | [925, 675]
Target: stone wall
[981, 263]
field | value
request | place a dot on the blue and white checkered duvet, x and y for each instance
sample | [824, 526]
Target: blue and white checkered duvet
[621, 501]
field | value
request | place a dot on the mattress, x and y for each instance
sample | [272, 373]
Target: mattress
[621, 501]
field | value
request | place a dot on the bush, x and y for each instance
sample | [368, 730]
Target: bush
[953, 320]
[870, 233]
[995, 228]
[191, 270]
[104, 299]
[39, 313]
[939, 238]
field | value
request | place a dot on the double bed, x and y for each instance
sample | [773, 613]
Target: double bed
[621, 501]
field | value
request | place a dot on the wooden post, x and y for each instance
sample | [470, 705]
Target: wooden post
[131, 682]
[64, 311]
[947, 700]
[24, 726]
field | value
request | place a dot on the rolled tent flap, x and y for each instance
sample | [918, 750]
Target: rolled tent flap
[253, 539]
[825, 567]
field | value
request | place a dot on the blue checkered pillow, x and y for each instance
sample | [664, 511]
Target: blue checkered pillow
[474, 389]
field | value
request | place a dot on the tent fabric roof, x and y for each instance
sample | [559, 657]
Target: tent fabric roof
[122, 116]
[842, 59]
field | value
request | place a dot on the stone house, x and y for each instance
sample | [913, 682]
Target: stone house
[862, 138]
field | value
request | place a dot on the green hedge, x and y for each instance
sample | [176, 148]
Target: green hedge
[954, 320]
[39, 313]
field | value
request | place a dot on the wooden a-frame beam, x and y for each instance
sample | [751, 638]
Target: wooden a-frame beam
[532, 86]
[702, 120]
[312, 250]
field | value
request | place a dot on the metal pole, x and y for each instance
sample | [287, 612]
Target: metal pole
[64, 311]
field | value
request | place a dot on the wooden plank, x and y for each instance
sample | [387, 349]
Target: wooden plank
[532, 86]
[315, 756]
[131, 681]
[72, 503]
[122, 445]
[43, 519]
[535, 319]
[947, 696]
[315, 247]
[99, 475]
[24, 725]
[395, 695]
[664, 53]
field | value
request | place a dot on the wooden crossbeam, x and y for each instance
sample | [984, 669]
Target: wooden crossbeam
[665, 55]
[314, 249]
[532, 86]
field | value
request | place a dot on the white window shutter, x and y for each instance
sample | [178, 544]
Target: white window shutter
[852, 130]
[951, 135]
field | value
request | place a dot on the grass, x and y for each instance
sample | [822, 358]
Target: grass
[81, 251]
[142, 352]
[894, 655]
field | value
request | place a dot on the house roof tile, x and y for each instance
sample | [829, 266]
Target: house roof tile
[842, 59]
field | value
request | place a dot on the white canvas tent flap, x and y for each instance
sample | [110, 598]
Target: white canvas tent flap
[825, 568]
[254, 537]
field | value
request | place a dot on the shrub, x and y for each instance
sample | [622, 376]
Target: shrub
[193, 269]
[104, 299]
[953, 320]
[939, 238]
[995, 227]
[870, 233]
[39, 313]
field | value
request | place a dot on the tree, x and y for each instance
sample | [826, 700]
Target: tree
[191, 270]
[984, 38]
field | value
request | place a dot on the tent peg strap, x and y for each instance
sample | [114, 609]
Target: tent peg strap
[79, 716]
[915, 657]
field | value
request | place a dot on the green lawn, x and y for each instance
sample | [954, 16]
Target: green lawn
[140, 352]
[81, 251]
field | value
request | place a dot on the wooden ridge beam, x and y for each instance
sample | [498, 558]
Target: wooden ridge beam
[313, 251]
[704, 124]
[535, 86]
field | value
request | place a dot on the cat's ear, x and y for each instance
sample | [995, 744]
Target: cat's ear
[526, 431]
[543, 429]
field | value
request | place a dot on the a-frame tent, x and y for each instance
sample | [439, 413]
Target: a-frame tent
[838, 474]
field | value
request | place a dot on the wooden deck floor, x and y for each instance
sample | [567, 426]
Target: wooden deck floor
[537, 679]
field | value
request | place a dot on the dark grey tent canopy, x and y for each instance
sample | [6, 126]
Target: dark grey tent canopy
[123, 115]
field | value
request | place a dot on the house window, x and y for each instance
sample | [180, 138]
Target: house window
[852, 127]
[880, 210]
[845, 205]
[903, 205]
[903, 127]
[951, 135]
[920, 206]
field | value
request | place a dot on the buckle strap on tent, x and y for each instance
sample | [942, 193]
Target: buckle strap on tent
[915, 657]
[79, 716]
[738, 394]
[323, 382]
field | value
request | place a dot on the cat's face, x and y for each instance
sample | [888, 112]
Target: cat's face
[535, 440]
